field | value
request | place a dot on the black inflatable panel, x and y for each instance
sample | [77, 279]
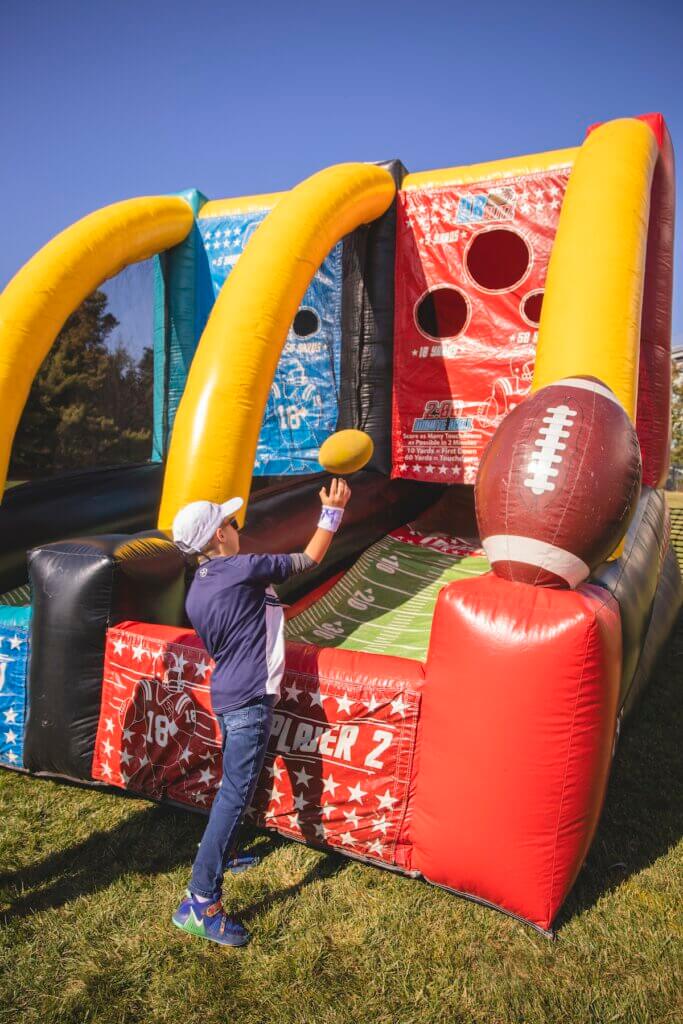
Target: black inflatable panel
[118, 499]
[79, 588]
[368, 329]
[123, 499]
[633, 578]
[285, 519]
[665, 611]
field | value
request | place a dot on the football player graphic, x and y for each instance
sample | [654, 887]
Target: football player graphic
[164, 735]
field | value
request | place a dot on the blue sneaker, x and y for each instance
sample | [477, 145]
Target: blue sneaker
[209, 921]
[242, 862]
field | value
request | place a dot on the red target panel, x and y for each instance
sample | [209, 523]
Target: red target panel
[471, 264]
[340, 755]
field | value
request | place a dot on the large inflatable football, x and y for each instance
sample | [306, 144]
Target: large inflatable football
[558, 484]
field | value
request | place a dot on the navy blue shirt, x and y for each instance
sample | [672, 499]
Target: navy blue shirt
[239, 619]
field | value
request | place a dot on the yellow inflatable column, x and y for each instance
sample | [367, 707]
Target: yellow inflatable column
[38, 300]
[590, 322]
[219, 418]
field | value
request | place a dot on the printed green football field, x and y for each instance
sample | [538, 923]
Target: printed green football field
[385, 603]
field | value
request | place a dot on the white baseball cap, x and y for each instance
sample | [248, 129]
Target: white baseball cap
[196, 523]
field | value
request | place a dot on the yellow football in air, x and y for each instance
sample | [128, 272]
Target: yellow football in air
[346, 451]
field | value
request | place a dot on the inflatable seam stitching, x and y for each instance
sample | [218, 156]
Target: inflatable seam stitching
[566, 768]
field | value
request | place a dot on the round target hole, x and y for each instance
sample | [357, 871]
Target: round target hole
[306, 323]
[498, 259]
[442, 312]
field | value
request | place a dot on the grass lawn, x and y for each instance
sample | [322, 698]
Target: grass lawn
[88, 883]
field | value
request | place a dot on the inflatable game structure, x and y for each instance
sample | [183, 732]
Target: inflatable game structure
[486, 351]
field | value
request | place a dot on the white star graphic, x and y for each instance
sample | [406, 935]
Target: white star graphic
[299, 803]
[302, 777]
[443, 469]
[109, 725]
[327, 810]
[329, 785]
[381, 825]
[125, 756]
[11, 736]
[386, 801]
[119, 646]
[373, 704]
[205, 776]
[294, 820]
[11, 756]
[429, 468]
[352, 817]
[200, 798]
[201, 667]
[275, 794]
[399, 707]
[376, 847]
[180, 662]
[317, 698]
[347, 839]
[319, 830]
[107, 747]
[10, 716]
[293, 692]
[15, 642]
[356, 793]
[127, 736]
[403, 467]
[344, 704]
[144, 760]
[106, 770]
[138, 650]
[125, 779]
[275, 771]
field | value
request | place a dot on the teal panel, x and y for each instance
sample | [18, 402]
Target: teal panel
[182, 301]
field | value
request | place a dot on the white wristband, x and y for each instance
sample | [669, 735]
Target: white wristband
[330, 517]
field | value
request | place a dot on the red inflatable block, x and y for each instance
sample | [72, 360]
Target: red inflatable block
[157, 733]
[516, 732]
[339, 767]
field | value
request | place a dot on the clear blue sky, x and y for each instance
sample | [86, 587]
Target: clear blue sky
[101, 101]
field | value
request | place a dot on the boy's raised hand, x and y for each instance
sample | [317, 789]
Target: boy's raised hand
[340, 492]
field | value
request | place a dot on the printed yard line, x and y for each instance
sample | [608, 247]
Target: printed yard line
[391, 647]
[431, 576]
[406, 593]
[363, 622]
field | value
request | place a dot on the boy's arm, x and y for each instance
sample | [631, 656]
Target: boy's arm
[277, 568]
[335, 502]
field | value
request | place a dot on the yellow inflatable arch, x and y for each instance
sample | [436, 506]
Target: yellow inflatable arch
[216, 428]
[36, 303]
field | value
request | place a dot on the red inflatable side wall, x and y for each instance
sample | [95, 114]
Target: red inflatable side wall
[516, 734]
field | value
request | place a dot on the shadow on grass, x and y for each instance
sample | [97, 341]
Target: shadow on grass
[154, 841]
[643, 814]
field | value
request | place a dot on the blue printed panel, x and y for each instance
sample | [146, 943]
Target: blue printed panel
[14, 648]
[303, 403]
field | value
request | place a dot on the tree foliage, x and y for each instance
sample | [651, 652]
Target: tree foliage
[677, 418]
[89, 405]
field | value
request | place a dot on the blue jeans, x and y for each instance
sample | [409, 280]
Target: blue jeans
[245, 733]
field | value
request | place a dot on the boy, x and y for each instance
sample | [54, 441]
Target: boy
[236, 612]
